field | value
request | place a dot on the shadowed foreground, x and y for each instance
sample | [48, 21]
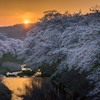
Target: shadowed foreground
[5, 93]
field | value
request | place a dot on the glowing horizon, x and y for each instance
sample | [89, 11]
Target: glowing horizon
[16, 11]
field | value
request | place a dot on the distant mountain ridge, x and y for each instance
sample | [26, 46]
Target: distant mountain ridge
[16, 31]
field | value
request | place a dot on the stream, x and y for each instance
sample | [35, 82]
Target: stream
[34, 88]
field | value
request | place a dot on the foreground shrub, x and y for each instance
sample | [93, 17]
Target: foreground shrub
[26, 73]
[73, 83]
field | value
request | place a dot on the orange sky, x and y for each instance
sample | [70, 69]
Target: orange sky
[17, 11]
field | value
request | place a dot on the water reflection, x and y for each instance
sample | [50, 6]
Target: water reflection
[30, 88]
[17, 86]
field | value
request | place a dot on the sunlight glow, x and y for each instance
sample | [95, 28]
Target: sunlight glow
[26, 22]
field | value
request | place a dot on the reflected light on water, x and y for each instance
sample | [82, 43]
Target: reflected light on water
[34, 88]
[18, 86]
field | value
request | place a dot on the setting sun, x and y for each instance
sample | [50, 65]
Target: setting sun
[26, 22]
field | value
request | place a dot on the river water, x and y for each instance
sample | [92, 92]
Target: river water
[27, 89]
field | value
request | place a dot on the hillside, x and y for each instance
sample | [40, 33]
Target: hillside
[9, 45]
[72, 43]
[16, 31]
